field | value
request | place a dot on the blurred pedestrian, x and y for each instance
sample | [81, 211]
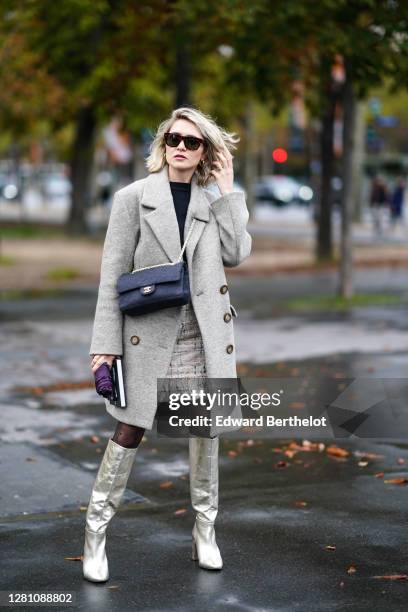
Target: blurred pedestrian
[397, 201]
[379, 199]
[105, 187]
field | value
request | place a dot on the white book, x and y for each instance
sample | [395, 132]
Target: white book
[119, 397]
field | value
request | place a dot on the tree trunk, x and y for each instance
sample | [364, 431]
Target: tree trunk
[358, 163]
[81, 169]
[324, 246]
[182, 74]
[249, 154]
[346, 246]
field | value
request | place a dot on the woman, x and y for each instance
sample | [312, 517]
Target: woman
[148, 220]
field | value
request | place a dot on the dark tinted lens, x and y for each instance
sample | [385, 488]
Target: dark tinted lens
[192, 143]
[172, 139]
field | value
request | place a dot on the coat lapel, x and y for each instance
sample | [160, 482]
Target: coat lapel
[162, 217]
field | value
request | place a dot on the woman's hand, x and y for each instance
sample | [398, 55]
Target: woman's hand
[224, 171]
[98, 360]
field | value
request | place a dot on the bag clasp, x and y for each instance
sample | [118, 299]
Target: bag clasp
[148, 289]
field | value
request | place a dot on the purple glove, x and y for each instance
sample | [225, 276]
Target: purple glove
[103, 381]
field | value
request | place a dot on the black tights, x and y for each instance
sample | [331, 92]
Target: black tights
[128, 436]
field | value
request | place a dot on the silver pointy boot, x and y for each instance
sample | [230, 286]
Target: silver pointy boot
[203, 455]
[107, 493]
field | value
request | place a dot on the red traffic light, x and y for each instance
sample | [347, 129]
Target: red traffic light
[279, 155]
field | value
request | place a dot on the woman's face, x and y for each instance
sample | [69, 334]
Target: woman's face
[181, 158]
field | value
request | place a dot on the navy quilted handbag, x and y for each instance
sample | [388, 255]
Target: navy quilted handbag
[155, 287]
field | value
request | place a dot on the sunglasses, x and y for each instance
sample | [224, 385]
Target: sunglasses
[173, 139]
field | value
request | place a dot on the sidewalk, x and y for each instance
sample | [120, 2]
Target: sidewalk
[299, 527]
[276, 249]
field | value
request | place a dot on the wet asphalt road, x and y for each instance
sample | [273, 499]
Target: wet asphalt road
[279, 511]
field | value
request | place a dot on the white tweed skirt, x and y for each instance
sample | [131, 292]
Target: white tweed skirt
[188, 356]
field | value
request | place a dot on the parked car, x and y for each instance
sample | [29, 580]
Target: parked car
[281, 190]
[236, 187]
[56, 186]
[10, 189]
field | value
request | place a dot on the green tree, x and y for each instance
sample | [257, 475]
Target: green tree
[276, 43]
[95, 53]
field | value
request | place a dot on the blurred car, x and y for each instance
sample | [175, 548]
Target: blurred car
[238, 187]
[282, 190]
[213, 187]
[56, 186]
[10, 189]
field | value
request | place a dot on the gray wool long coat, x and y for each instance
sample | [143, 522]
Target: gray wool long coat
[143, 231]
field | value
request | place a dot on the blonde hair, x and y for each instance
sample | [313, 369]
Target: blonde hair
[215, 137]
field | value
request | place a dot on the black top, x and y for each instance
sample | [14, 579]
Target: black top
[181, 197]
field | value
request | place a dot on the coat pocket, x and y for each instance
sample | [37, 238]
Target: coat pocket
[233, 311]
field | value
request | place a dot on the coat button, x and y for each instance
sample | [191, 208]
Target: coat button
[223, 289]
[227, 317]
[135, 339]
[230, 348]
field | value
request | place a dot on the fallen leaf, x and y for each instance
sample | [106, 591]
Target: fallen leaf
[401, 480]
[300, 503]
[180, 511]
[166, 484]
[330, 547]
[95, 439]
[338, 459]
[296, 446]
[336, 451]
[379, 475]
[282, 464]
[232, 453]
[260, 373]
[352, 569]
[393, 577]
[60, 386]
